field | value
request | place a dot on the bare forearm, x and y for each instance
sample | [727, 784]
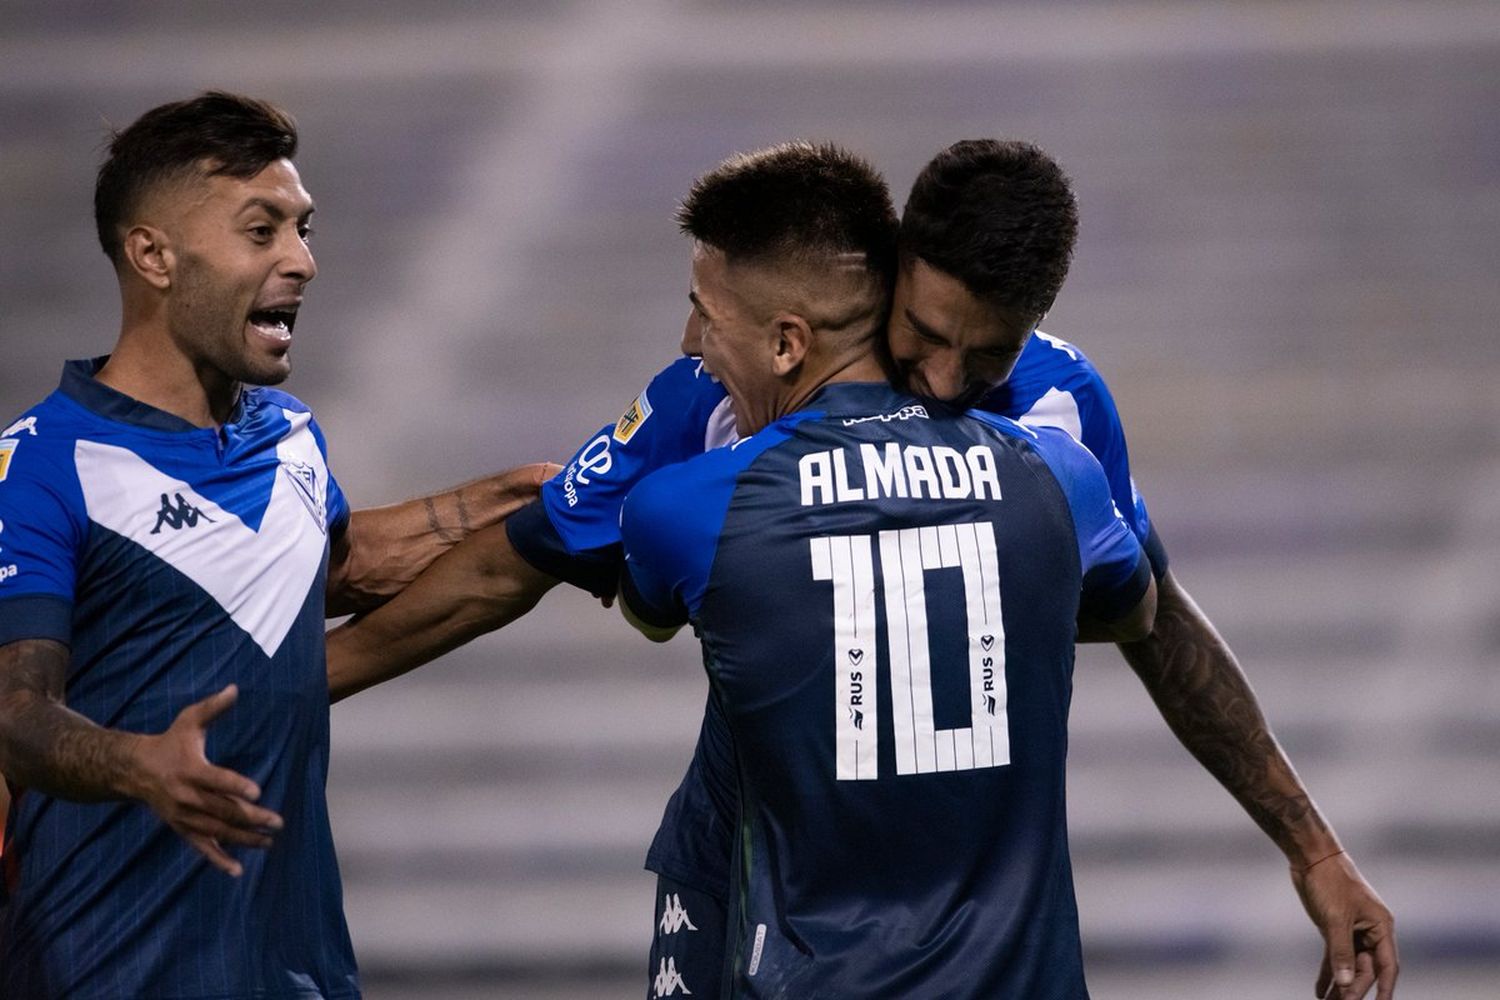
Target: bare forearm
[386, 548]
[48, 747]
[478, 587]
[1205, 698]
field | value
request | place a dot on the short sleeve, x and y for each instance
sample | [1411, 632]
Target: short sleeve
[667, 423]
[658, 573]
[42, 530]
[1116, 572]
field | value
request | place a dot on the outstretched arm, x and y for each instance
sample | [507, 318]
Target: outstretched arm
[383, 549]
[47, 747]
[482, 584]
[1205, 698]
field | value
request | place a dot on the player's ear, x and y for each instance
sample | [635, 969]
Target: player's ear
[793, 340]
[146, 252]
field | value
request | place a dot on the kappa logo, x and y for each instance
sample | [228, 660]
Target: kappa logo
[630, 421]
[674, 916]
[912, 412]
[669, 980]
[305, 478]
[178, 517]
[27, 424]
[989, 703]
[857, 717]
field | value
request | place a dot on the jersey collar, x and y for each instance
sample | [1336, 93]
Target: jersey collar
[79, 384]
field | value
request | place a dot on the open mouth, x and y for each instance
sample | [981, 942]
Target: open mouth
[275, 323]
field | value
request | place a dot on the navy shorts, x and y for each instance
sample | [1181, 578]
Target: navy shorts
[687, 949]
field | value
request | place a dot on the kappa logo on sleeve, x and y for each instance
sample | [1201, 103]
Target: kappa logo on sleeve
[27, 424]
[630, 421]
[7, 449]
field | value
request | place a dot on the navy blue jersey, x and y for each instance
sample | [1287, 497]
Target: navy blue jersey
[572, 532]
[174, 560]
[886, 594]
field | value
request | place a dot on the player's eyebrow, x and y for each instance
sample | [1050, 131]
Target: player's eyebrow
[924, 329]
[274, 210]
[697, 303]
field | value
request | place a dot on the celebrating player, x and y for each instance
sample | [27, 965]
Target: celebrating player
[902, 817]
[986, 240]
[173, 541]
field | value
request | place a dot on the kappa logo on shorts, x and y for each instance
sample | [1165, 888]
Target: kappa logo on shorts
[630, 421]
[674, 916]
[669, 980]
[7, 449]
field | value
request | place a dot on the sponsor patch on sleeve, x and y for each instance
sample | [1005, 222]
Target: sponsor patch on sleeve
[630, 421]
[7, 449]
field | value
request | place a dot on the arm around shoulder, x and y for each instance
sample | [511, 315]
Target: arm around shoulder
[383, 549]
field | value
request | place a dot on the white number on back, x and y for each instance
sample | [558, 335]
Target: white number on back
[905, 557]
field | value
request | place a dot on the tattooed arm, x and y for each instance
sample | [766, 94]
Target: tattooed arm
[1197, 684]
[384, 548]
[46, 747]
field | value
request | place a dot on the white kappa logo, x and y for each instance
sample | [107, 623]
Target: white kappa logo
[674, 916]
[27, 424]
[669, 980]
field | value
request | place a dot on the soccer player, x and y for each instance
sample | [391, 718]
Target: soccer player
[172, 543]
[986, 239]
[887, 592]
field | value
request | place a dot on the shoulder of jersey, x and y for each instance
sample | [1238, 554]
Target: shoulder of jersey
[688, 375]
[1003, 424]
[267, 396]
[1053, 359]
[45, 433]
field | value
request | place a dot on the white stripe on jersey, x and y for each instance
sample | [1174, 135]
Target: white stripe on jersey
[260, 578]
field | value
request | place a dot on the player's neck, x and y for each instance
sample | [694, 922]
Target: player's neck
[147, 366]
[863, 366]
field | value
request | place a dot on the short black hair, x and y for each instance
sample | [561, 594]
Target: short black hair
[216, 132]
[998, 215]
[795, 202]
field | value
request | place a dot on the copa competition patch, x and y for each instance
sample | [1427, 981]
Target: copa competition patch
[630, 421]
[7, 449]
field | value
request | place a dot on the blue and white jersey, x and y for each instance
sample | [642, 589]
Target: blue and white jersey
[886, 594]
[1055, 385]
[572, 532]
[174, 560]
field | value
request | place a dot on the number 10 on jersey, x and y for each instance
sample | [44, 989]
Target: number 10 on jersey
[905, 557]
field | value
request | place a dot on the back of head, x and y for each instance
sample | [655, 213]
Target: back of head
[216, 133]
[1000, 217]
[814, 212]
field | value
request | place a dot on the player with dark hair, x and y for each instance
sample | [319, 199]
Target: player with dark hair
[951, 338]
[174, 541]
[899, 766]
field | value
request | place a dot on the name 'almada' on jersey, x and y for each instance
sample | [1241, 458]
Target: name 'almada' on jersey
[918, 472]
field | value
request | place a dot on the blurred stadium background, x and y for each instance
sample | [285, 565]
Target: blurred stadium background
[1288, 273]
